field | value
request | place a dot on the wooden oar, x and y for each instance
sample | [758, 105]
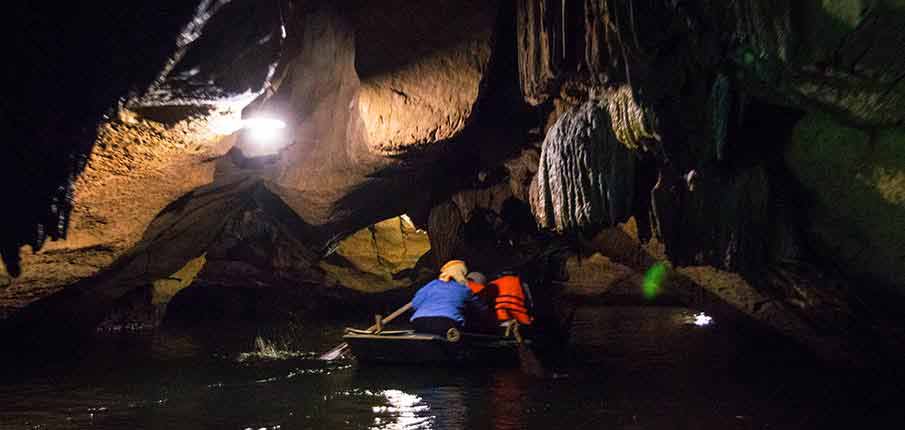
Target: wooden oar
[528, 360]
[338, 351]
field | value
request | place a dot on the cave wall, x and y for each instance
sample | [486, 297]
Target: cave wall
[70, 73]
[334, 176]
[358, 105]
[420, 85]
[719, 129]
[104, 136]
[857, 181]
[698, 77]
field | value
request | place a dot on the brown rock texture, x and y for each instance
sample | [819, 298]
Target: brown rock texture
[379, 257]
[371, 96]
[596, 276]
[334, 172]
[586, 175]
[137, 167]
[420, 86]
[248, 236]
[541, 35]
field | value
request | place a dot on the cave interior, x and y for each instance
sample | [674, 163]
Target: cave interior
[748, 157]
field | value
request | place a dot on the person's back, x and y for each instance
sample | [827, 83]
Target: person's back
[441, 299]
[509, 300]
[440, 305]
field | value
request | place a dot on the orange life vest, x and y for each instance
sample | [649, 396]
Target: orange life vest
[475, 287]
[510, 300]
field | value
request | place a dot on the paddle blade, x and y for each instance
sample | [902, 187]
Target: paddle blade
[529, 362]
[335, 353]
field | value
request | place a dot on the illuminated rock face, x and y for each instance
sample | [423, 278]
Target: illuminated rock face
[136, 169]
[586, 176]
[380, 257]
[420, 86]
[113, 52]
[328, 177]
[372, 95]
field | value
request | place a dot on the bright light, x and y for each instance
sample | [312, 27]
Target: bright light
[259, 128]
[263, 124]
[263, 130]
[702, 319]
[224, 126]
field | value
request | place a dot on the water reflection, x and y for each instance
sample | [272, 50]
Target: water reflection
[648, 367]
[405, 411]
[507, 395]
[443, 407]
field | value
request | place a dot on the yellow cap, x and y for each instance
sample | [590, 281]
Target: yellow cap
[450, 264]
[454, 270]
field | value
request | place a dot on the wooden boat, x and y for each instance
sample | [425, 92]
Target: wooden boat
[408, 347]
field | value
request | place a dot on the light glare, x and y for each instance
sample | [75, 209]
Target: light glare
[702, 319]
[263, 123]
[264, 131]
[405, 411]
[260, 128]
[225, 126]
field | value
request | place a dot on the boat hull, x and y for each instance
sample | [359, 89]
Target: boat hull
[417, 348]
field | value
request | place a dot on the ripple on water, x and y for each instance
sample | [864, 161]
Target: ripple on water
[269, 350]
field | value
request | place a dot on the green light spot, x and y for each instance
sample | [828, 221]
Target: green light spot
[748, 58]
[653, 280]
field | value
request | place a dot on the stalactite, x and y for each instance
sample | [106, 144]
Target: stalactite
[586, 176]
[630, 122]
[720, 102]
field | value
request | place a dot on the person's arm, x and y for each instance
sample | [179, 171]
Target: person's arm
[477, 303]
[490, 292]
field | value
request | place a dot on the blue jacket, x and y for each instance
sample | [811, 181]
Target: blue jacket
[441, 299]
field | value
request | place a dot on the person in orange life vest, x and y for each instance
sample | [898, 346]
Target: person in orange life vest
[509, 301]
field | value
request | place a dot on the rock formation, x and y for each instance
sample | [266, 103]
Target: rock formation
[586, 175]
[754, 147]
[379, 257]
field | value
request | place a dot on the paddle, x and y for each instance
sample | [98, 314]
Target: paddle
[338, 351]
[528, 360]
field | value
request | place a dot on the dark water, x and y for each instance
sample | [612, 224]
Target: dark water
[631, 368]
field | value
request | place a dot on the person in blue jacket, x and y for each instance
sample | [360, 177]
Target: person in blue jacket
[440, 305]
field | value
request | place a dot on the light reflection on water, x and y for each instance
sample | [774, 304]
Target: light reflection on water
[404, 411]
